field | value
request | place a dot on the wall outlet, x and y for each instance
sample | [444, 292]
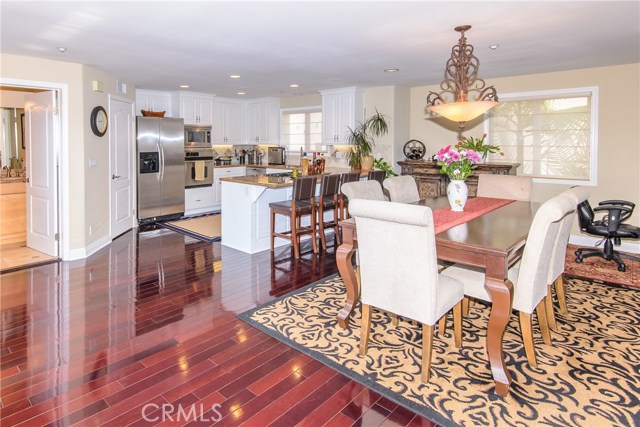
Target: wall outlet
[90, 230]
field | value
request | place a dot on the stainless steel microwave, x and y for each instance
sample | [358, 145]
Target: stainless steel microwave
[197, 136]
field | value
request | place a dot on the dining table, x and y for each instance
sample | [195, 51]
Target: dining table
[489, 233]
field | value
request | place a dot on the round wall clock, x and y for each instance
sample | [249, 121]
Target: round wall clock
[99, 121]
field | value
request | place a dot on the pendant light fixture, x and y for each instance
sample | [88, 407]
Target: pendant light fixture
[461, 78]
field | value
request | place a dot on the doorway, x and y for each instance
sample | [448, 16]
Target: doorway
[28, 176]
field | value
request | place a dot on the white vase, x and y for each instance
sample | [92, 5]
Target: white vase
[457, 194]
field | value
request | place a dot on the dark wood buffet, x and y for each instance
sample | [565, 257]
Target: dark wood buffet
[431, 183]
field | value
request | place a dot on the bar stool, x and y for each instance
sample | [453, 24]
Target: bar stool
[377, 175]
[328, 201]
[301, 204]
[342, 199]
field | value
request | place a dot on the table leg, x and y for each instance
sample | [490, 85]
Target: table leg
[344, 260]
[501, 291]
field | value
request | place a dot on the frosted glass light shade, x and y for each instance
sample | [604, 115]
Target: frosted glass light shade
[462, 111]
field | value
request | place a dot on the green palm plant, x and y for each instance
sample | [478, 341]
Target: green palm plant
[361, 139]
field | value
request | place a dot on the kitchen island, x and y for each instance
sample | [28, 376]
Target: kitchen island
[246, 221]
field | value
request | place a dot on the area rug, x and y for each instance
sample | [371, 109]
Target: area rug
[206, 228]
[589, 376]
[600, 269]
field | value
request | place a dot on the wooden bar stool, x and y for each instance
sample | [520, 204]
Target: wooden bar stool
[377, 176]
[328, 201]
[342, 199]
[301, 204]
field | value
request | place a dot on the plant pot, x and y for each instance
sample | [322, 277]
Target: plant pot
[367, 163]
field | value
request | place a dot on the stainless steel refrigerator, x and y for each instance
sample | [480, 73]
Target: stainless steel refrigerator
[160, 168]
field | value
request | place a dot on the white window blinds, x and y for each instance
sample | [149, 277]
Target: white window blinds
[302, 129]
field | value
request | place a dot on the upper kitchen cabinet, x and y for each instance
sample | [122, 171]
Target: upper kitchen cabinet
[228, 122]
[150, 100]
[194, 108]
[263, 119]
[341, 109]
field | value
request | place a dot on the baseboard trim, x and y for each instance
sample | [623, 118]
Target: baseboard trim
[626, 246]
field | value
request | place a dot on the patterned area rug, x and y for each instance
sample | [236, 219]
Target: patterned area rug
[206, 228]
[589, 376]
[600, 269]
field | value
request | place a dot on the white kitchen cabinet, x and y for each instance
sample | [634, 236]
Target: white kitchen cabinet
[341, 109]
[263, 120]
[199, 200]
[221, 173]
[194, 108]
[228, 122]
[151, 100]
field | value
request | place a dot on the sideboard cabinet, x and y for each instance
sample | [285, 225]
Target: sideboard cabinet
[431, 183]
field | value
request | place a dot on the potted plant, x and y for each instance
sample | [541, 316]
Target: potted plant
[479, 146]
[361, 141]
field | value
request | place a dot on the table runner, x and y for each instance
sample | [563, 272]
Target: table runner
[445, 218]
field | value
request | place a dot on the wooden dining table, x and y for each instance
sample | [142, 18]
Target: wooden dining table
[493, 241]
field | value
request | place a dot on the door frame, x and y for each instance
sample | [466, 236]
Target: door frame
[60, 154]
[134, 195]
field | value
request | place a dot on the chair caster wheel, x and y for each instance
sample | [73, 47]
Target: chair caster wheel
[578, 252]
[579, 259]
[622, 268]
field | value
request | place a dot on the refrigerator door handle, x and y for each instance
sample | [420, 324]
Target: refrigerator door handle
[161, 155]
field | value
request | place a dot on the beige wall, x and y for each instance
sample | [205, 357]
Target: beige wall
[618, 126]
[301, 101]
[87, 192]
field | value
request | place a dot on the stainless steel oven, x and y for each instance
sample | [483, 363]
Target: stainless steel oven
[198, 167]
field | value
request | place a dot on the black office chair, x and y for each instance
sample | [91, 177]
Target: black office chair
[610, 227]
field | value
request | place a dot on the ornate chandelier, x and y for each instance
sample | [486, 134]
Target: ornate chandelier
[462, 77]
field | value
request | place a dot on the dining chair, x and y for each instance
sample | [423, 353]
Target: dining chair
[504, 187]
[402, 189]
[328, 202]
[343, 200]
[399, 272]
[377, 175]
[555, 279]
[301, 204]
[529, 277]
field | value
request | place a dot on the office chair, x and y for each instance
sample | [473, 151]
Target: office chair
[610, 227]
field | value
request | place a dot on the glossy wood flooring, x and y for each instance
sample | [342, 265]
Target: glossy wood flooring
[146, 328]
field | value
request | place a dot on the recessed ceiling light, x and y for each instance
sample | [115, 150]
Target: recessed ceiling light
[242, 93]
[62, 49]
[234, 76]
[391, 70]
[294, 85]
[184, 86]
[494, 46]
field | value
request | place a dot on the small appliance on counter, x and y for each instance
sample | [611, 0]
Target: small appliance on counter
[277, 156]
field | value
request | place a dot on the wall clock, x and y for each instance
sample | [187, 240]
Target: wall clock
[99, 121]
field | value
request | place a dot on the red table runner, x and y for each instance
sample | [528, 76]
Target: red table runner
[445, 218]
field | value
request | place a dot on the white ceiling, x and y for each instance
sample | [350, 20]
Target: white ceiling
[319, 45]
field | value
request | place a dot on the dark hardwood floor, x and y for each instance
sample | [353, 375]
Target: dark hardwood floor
[146, 328]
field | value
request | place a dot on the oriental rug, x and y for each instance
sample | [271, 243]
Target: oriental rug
[588, 377]
[206, 228]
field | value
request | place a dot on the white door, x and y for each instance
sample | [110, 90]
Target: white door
[122, 150]
[42, 187]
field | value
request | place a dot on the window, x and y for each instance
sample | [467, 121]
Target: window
[552, 134]
[302, 129]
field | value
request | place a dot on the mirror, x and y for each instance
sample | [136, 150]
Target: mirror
[11, 136]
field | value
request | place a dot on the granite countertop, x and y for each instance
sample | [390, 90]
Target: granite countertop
[264, 166]
[277, 181]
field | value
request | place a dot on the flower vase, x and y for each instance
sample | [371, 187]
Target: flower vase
[457, 194]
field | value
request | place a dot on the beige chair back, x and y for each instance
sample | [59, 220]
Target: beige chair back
[504, 187]
[398, 268]
[402, 189]
[368, 190]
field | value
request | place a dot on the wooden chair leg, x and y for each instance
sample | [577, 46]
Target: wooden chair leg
[314, 234]
[442, 325]
[321, 229]
[465, 306]
[427, 345]
[527, 338]
[365, 329]
[457, 323]
[295, 239]
[273, 228]
[551, 315]
[394, 319]
[562, 298]
[541, 311]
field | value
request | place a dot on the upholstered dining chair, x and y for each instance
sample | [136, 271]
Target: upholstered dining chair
[328, 202]
[504, 187]
[343, 200]
[529, 277]
[555, 279]
[301, 204]
[399, 273]
[402, 189]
